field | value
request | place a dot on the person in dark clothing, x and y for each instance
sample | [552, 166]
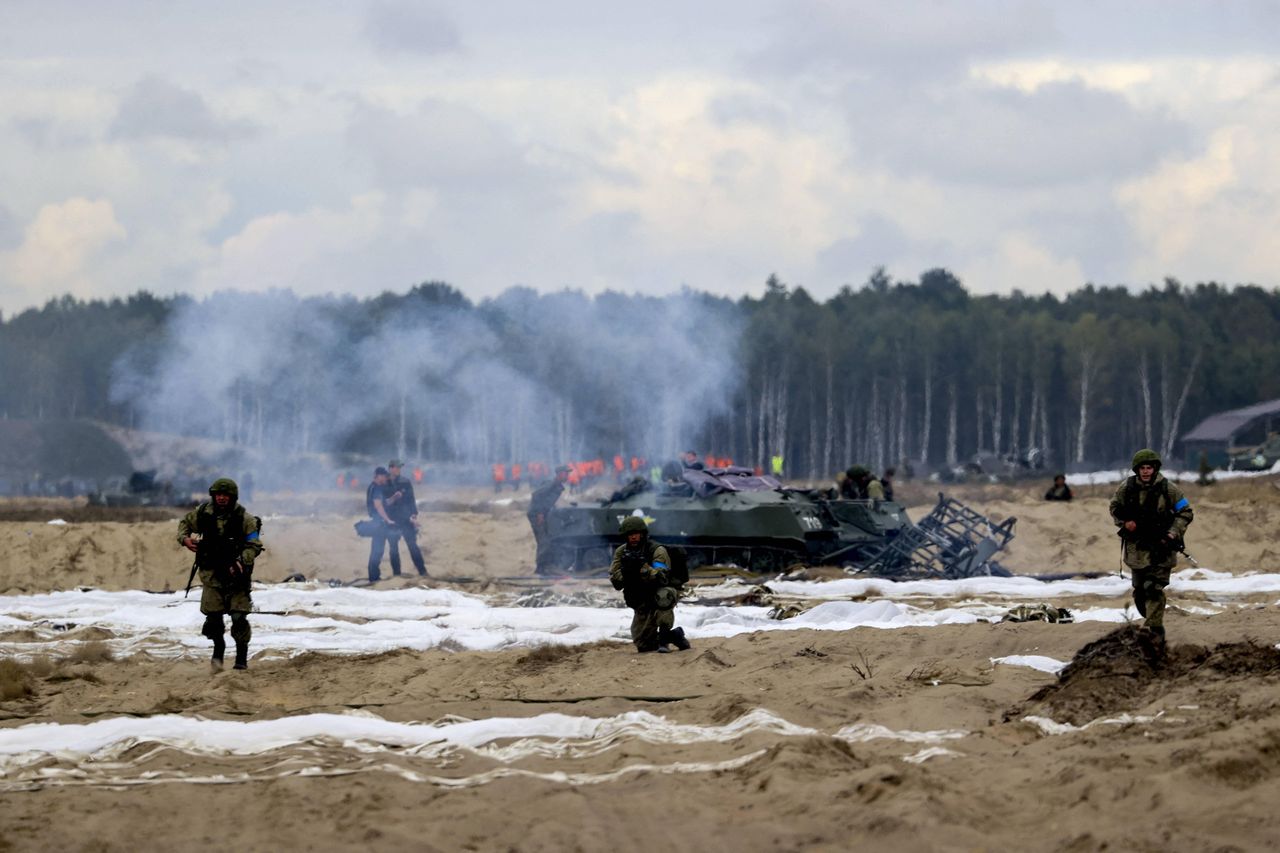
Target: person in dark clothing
[886, 481]
[541, 503]
[375, 502]
[225, 539]
[641, 569]
[402, 506]
[1151, 515]
[1059, 491]
[691, 460]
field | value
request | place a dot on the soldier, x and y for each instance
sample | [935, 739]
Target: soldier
[540, 505]
[1059, 491]
[886, 482]
[402, 506]
[860, 485]
[1151, 516]
[225, 539]
[642, 570]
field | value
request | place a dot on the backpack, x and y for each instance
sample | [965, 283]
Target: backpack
[678, 571]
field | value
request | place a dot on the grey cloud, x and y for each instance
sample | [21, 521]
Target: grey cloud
[154, 107]
[880, 242]
[1093, 231]
[411, 28]
[746, 108]
[444, 146]
[45, 133]
[911, 39]
[1058, 134]
[10, 230]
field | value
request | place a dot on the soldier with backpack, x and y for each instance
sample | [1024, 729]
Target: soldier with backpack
[226, 540]
[650, 585]
[1151, 515]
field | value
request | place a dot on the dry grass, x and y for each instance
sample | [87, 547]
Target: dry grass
[546, 654]
[17, 680]
[14, 681]
[94, 651]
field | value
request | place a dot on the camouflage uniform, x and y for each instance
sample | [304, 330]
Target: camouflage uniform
[641, 574]
[227, 536]
[1157, 508]
[541, 503]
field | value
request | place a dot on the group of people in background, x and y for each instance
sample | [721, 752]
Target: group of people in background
[1151, 515]
[857, 483]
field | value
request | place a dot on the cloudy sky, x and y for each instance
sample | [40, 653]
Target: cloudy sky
[365, 146]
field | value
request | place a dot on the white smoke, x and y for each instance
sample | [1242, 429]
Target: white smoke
[431, 377]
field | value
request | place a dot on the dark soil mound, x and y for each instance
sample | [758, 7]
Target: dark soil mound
[1129, 668]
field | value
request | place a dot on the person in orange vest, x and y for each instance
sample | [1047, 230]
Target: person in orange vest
[516, 471]
[342, 480]
[575, 476]
[417, 474]
[499, 476]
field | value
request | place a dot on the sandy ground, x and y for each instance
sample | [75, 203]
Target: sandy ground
[1180, 752]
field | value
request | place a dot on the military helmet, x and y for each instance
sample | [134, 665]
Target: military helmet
[225, 486]
[633, 524]
[857, 472]
[1146, 456]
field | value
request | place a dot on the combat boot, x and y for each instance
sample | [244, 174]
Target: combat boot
[219, 649]
[242, 656]
[678, 639]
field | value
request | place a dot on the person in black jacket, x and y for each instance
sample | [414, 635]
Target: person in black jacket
[384, 531]
[1059, 491]
[402, 506]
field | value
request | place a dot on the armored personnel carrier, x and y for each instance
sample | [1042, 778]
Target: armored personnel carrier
[141, 489]
[730, 516]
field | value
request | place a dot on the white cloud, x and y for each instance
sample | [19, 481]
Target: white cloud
[59, 248]
[311, 253]
[1218, 211]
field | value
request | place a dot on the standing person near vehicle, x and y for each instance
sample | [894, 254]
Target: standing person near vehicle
[226, 541]
[384, 530]
[402, 506]
[1151, 515]
[541, 503]
[886, 482]
[642, 569]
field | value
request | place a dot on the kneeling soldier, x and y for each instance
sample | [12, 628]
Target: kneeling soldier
[225, 540]
[641, 569]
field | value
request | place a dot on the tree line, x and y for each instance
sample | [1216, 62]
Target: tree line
[890, 371]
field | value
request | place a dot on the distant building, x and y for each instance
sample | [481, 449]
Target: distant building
[1218, 435]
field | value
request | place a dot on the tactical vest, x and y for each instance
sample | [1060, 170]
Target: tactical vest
[219, 550]
[1153, 520]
